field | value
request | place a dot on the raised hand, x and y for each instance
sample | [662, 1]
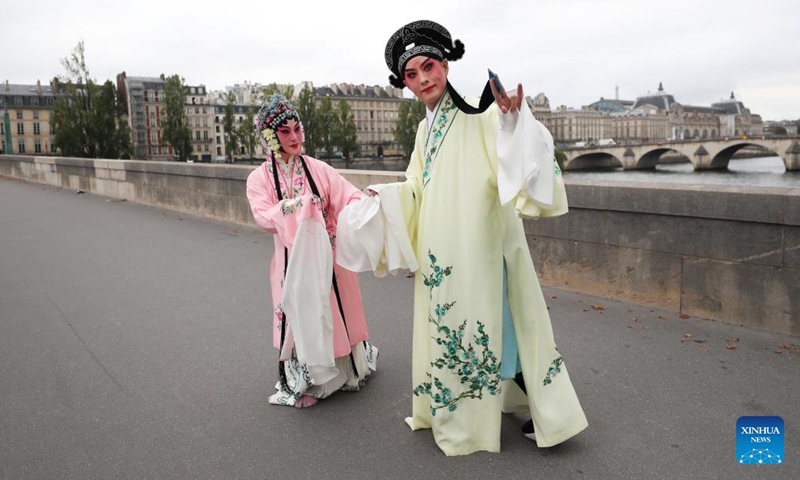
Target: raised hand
[504, 102]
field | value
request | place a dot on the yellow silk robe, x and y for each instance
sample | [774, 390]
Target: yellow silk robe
[462, 237]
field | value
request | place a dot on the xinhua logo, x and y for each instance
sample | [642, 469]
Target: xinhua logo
[759, 440]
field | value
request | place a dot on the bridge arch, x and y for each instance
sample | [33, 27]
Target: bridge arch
[722, 158]
[651, 157]
[593, 160]
[703, 154]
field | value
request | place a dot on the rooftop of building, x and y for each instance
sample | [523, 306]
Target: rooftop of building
[39, 89]
[359, 91]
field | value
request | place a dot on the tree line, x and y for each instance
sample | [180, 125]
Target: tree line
[328, 128]
[89, 119]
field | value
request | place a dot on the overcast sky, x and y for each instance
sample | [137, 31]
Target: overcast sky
[575, 51]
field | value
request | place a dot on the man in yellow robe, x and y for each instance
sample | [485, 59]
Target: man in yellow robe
[482, 332]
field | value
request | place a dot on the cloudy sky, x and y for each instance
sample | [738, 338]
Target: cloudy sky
[575, 51]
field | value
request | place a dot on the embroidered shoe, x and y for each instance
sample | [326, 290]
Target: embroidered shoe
[305, 401]
[527, 430]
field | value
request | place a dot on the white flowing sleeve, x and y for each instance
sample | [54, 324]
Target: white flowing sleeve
[372, 236]
[526, 160]
[307, 287]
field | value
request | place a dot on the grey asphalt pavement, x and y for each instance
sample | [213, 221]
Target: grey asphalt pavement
[134, 343]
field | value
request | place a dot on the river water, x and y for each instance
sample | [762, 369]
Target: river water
[754, 172]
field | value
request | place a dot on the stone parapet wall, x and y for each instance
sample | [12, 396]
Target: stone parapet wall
[730, 254]
[210, 190]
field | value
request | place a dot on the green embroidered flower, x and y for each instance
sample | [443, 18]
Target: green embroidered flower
[552, 371]
[437, 135]
[476, 367]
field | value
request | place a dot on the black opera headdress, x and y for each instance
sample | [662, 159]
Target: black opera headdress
[423, 37]
[428, 38]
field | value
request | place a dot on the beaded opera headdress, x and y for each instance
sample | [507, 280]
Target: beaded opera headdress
[276, 112]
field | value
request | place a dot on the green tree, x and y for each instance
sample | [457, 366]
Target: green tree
[285, 90]
[247, 134]
[87, 118]
[306, 104]
[405, 129]
[231, 137]
[113, 132]
[325, 128]
[175, 124]
[345, 130]
[779, 130]
[561, 159]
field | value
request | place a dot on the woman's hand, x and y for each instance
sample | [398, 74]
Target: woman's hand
[507, 104]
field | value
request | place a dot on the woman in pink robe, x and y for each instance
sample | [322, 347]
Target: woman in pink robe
[319, 325]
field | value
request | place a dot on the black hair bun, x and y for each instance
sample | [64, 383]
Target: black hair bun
[396, 82]
[457, 51]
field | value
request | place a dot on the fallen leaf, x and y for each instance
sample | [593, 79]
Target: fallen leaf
[733, 339]
[779, 352]
[585, 309]
[630, 309]
[634, 319]
[597, 306]
[645, 327]
[662, 317]
[687, 335]
[785, 346]
[730, 346]
[703, 349]
[684, 316]
[552, 296]
[630, 326]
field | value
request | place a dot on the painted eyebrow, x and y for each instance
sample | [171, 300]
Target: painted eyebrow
[426, 62]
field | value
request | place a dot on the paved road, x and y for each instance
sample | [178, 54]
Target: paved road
[134, 344]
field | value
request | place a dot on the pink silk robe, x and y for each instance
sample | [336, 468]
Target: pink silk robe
[335, 193]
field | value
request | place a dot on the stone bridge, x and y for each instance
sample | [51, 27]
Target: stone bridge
[705, 154]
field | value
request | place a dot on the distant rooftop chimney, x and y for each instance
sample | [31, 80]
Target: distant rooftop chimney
[732, 97]
[660, 88]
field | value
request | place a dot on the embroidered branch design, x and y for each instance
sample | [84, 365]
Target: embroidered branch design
[476, 367]
[555, 369]
[436, 137]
